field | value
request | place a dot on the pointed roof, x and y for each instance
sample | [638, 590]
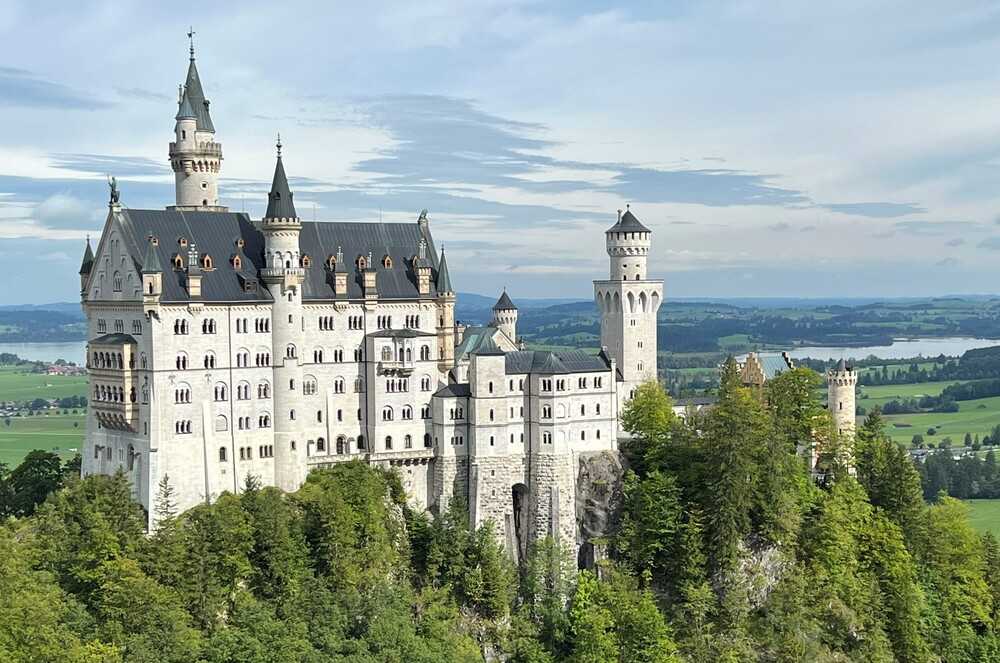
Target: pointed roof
[504, 303]
[628, 222]
[184, 111]
[88, 259]
[443, 279]
[196, 96]
[151, 261]
[279, 200]
[841, 365]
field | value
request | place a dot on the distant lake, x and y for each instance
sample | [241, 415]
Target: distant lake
[900, 349]
[74, 352]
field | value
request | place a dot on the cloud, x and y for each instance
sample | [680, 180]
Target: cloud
[141, 94]
[104, 164]
[875, 210]
[958, 241]
[934, 228]
[991, 243]
[779, 227]
[19, 87]
[946, 262]
[64, 211]
[807, 229]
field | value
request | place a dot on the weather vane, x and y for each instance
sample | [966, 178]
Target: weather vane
[191, 34]
[278, 144]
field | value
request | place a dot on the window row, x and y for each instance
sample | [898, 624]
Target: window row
[106, 394]
[110, 360]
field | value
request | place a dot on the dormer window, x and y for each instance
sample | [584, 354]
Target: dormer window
[237, 263]
[178, 261]
[331, 263]
[182, 241]
[362, 263]
[306, 261]
[387, 262]
[240, 242]
[206, 262]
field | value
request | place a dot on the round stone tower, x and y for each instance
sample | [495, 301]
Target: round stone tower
[841, 382]
[505, 316]
[195, 157]
[283, 275]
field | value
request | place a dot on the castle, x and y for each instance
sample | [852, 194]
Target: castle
[222, 347]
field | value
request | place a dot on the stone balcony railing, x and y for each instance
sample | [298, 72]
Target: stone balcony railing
[204, 148]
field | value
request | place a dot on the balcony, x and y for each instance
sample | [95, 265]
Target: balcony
[202, 149]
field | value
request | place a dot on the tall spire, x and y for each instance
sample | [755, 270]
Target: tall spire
[88, 259]
[279, 200]
[443, 279]
[195, 93]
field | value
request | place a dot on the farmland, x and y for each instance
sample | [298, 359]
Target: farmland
[984, 515]
[59, 433]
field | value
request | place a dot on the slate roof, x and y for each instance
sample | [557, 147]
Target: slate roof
[443, 279]
[487, 346]
[547, 362]
[628, 223]
[88, 259]
[196, 95]
[279, 200]
[216, 234]
[459, 389]
[504, 303]
[842, 366]
[151, 261]
[473, 338]
[773, 365]
[185, 111]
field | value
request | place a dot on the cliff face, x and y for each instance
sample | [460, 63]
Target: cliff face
[598, 503]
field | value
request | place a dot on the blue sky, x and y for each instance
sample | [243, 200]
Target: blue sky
[775, 149]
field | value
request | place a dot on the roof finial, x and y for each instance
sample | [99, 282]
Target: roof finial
[278, 144]
[191, 34]
[619, 215]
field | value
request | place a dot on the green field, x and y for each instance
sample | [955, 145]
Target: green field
[55, 432]
[976, 417]
[985, 515]
[18, 385]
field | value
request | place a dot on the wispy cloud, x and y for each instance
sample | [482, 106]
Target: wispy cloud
[19, 87]
[877, 210]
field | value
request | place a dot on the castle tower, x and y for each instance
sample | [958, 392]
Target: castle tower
[195, 157]
[841, 383]
[283, 275]
[628, 302]
[505, 316]
[445, 315]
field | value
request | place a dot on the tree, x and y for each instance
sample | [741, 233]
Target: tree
[595, 639]
[165, 506]
[38, 475]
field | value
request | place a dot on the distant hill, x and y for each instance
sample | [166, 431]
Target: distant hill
[72, 309]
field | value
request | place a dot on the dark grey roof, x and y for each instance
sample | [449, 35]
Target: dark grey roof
[114, 339]
[196, 95]
[563, 361]
[487, 346]
[472, 338]
[279, 200]
[185, 111]
[443, 278]
[842, 366]
[459, 389]
[504, 303]
[151, 261]
[88, 259]
[216, 234]
[628, 223]
[400, 333]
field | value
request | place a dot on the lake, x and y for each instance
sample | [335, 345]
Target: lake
[74, 352]
[899, 349]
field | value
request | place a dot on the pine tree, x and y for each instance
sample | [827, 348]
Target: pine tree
[165, 506]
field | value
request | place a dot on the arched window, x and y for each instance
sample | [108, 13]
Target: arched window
[388, 442]
[387, 413]
[407, 412]
[321, 445]
[338, 385]
[408, 442]
[386, 353]
[221, 424]
[290, 351]
[222, 454]
[425, 353]
[427, 440]
[341, 445]
[220, 391]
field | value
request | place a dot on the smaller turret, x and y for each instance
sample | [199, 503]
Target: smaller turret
[193, 271]
[505, 316]
[841, 382]
[628, 243]
[85, 267]
[152, 273]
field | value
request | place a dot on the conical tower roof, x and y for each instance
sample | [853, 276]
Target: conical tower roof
[504, 303]
[88, 259]
[196, 96]
[628, 222]
[443, 278]
[279, 200]
[185, 111]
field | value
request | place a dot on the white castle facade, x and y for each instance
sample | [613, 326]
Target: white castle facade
[222, 347]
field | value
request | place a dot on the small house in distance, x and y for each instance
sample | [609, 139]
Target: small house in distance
[755, 370]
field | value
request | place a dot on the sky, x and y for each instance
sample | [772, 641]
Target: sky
[775, 149]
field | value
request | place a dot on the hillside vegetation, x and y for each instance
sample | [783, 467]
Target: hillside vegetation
[726, 550]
